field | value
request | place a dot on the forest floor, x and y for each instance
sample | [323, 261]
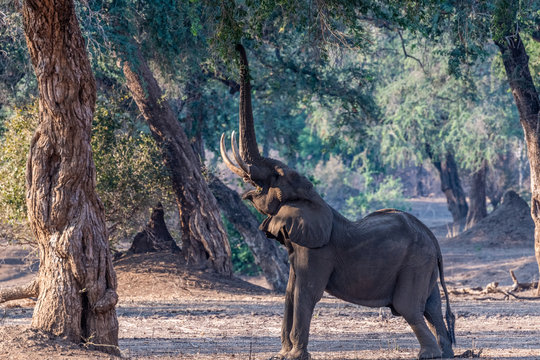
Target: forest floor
[168, 312]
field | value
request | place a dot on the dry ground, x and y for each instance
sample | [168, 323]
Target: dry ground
[166, 312]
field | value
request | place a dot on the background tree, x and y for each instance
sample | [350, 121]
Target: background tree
[204, 241]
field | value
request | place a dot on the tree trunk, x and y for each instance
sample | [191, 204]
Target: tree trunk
[477, 210]
[451, 187]
[516, 64]
[272, 259]
[76, 280]
[204, 240]
[155, 236]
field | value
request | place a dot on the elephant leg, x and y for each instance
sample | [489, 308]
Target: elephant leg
[286, 325]
[434, 317]
[409, 300]
[312, 274]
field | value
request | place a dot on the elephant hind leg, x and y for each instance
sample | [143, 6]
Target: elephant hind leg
[434, 317]
[409, 301]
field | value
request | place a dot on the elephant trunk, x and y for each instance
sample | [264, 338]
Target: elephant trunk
[248, 143]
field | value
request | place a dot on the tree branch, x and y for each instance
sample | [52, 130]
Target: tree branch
[20, 292]
[233, 86]
[408, 55]
[293, 67]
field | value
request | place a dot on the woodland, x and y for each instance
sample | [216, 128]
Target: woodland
[111, 115]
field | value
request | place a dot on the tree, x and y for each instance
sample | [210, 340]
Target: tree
[204, 240]
[506, 35]
[477, 210]
[155, 236]
[451, 187]
[76, 283]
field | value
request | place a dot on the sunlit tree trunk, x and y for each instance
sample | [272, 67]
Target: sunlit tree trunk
[204, 240]
[477, 196]
[516, 64]
[76, 283]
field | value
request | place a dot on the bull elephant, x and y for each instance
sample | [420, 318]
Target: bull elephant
[389, 258]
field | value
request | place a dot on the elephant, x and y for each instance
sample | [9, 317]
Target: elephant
[387, 259]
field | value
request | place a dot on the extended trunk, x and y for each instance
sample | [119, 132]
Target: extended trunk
[516, 64]
[451, 187]
[268, 255]
[477, 209]
[248, 142]
[76, 281]
[204, 240]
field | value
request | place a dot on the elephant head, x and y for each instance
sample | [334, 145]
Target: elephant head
[294, 209]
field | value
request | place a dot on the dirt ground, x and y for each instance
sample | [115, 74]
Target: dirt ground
[167, 312]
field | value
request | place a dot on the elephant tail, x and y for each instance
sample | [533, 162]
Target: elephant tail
[450, 318]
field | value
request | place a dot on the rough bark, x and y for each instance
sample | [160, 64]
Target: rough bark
[76, 279]
[154, 236]
[204, 240]
[451, 187]
[272, 259]
[477, 198]
[516, 64]
[20, 292]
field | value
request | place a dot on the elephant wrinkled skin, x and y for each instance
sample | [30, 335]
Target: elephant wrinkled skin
[389, 258]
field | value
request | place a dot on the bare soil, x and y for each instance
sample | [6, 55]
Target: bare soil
[169, 312]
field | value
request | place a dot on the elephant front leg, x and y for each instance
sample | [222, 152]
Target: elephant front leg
[286, 325]
[312, 274]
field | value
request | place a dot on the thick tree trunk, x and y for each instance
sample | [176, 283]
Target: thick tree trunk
[516, 64]
[76, 279]
[204, 240]
[451, 187]
[272, 259]
[477, 209]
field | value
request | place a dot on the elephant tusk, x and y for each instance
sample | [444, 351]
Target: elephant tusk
[235, 151]
[228, 161]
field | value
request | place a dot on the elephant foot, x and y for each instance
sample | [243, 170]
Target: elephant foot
[282, 355]
[298, 355]
[448, 353]
[430, 353]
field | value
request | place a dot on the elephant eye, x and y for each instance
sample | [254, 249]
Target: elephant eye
[259, 189]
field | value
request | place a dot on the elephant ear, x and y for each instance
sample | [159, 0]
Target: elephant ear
[306, 223]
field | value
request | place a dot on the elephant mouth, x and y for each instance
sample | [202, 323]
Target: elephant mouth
[249, 195]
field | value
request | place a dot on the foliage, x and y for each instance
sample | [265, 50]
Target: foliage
[472, 24]
[17, 80]
[356, 192]
[387, 194]
[14, 148]
[429, 112]
[241, 256]
[131, 177]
